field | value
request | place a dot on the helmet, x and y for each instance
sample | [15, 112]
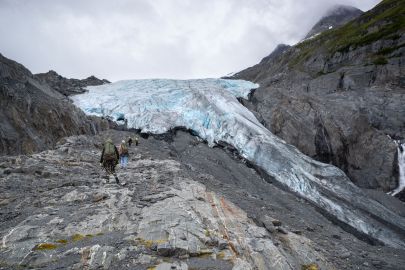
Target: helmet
[123, 141]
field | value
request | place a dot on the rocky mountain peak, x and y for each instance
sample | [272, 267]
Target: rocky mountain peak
[336, 16]
[67, 86]
[52, 73]
[341, 10]
[93, 80]
[277, 52]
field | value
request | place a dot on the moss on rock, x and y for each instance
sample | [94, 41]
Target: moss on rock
[45, 246]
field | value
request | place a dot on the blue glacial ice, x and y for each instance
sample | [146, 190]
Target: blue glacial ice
[210, 108]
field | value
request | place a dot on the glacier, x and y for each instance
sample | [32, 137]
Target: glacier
[210, 108]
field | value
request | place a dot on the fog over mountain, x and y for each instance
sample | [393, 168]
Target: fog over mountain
[148, 39]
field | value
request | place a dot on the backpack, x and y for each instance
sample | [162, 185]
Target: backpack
[124, 149]
[109, 152]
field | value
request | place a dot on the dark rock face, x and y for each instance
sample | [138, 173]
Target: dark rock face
[335, 17]
[339, 102]
[66, 86]
[33, 116]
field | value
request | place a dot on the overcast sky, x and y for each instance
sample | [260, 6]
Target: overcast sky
[133, 39]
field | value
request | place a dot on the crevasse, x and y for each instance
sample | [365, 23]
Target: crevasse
[210, 108]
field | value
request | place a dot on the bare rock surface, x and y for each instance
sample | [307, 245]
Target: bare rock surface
[33, 116]
[183, 206]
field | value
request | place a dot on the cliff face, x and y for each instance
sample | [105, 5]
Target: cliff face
[34, 116]
[66, 86]
[339, 96]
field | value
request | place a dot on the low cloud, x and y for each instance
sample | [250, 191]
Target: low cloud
[126, 39]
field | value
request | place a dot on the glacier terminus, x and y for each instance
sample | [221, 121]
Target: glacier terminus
[211, 109]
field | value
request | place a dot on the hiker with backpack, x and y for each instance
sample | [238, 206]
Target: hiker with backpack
[136, 140]
[129, 141]
[109, 158]
[123, 151]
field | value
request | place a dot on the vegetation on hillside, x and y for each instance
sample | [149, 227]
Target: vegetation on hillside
[385, 21]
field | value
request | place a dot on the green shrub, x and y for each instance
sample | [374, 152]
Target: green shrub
[380, 60]
[389, 50]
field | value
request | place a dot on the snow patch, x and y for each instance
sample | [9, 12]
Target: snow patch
[309, 38]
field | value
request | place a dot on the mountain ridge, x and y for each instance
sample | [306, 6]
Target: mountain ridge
[336, 16]
[67, 86]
